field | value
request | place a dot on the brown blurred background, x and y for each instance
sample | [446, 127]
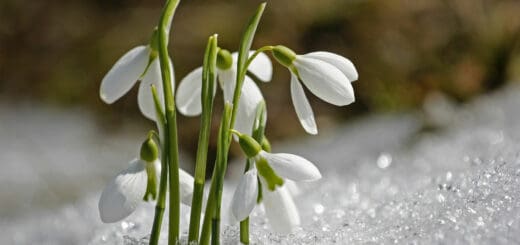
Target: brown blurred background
[56, 52]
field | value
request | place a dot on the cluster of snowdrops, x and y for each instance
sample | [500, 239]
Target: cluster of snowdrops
[155, 174]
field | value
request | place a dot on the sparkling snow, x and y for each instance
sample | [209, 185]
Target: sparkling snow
[446, 176]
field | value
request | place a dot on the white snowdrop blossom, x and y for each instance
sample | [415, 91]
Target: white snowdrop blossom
[326, 75]
[271, 169]
[188, 96]
[140, 63]
[126, 190]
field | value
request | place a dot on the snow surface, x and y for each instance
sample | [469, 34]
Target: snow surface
[446, 176]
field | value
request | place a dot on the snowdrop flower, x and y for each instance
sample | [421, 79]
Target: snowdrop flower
[188, 96]
[127, 189]
[326, 75]
[140, 63]
[271, 169]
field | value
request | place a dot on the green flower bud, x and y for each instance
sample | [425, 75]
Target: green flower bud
[268, 174]
[249, 145]
[224, 59]
[284, 55]
[149, 151]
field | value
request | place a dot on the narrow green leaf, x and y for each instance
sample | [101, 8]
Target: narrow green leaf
[208, 83]
[248, 36]
[243, 55]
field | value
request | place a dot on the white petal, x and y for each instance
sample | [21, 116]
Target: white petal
[158, 167]
[292, 166]
[280, 210]
[186, 186]
[246, 194]
[185, 182]
[247, 106]
[144, 97]
[325, 81]
[292, 187]
[124, 74]
[340, 62]
[123, 193]
[227, 79]
[302, 107]
[188, 97]
[261, 66]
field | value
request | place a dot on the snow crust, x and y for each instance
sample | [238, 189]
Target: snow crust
[388, 179]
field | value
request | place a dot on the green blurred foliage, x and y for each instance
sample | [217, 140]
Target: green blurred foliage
[57, 52]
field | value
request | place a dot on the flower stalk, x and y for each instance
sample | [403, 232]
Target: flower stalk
[161, 198]
[170, 130]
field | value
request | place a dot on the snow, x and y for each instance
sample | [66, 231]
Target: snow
[449, 175]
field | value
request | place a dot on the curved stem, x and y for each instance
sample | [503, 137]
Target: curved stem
[170, 144]
[258, 51]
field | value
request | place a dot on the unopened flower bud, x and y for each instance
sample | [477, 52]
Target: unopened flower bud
[224, 59]
[149, 151]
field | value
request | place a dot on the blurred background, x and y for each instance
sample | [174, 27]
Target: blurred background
[53, 55]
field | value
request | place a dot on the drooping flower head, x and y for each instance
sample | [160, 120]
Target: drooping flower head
[271, 169]
[188, 96]
[140, 63]
[326, 75]
[128, 188]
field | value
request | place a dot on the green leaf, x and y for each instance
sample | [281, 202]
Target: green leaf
[208, 83]
[209, 68]
[243, 55]
[247, 40]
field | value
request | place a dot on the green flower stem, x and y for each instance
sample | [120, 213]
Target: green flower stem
[215, 197]
[244, 231]
[205, 233]
[170, 129]
[208, 83]
[161, 198]
[244, 224]
[211, 224]
[221, 166]
[258, 51]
